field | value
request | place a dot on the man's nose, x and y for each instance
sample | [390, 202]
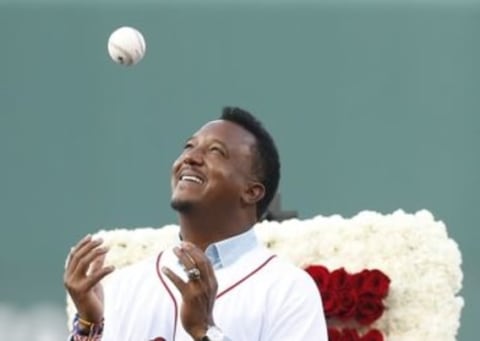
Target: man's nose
[194, 156]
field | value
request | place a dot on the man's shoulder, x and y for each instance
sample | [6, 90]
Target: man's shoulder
[287, 269]
[281, 271]
[283, 281]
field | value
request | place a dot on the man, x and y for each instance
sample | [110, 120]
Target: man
[219, 282]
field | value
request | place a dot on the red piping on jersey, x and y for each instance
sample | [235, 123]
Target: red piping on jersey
[246, 277]
[218, 295]
[175, 306]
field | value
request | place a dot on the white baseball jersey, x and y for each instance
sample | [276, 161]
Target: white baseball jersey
[260, 297]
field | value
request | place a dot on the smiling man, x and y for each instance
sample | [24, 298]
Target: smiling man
[219, 282]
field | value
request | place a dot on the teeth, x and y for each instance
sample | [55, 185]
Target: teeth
[191, 178]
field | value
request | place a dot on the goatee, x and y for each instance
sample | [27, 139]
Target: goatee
[181, 206]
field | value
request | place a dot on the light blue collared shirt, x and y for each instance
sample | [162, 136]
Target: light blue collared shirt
[225, 252]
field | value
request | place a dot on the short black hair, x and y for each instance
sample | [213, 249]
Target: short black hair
[267, 163]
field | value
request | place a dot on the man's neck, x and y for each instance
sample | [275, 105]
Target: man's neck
[203, 230]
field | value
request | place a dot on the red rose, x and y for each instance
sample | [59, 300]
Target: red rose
[372, 335]
[334, 334]
[339, 280]
[320, 275]
[330, 303]
[369, 308]
[358, 280]
[347, 303]
[372, 282]
[350, 335]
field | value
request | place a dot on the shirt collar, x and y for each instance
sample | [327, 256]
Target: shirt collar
[224, 253]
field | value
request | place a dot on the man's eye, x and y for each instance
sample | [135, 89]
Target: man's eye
[188, 145]
[217, 150]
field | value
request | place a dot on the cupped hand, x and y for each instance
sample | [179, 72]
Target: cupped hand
[83, 273]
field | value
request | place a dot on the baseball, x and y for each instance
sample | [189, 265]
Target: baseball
[126, 46]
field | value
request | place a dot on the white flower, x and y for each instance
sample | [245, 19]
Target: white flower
[414, 250]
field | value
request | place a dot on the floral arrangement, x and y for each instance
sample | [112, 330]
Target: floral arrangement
[393, 277]
[356, 299]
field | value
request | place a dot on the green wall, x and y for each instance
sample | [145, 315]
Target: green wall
[373, 106]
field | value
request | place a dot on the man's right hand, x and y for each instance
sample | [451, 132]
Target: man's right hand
[82, 277]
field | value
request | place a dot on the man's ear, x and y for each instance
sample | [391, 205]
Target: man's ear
[253, 193]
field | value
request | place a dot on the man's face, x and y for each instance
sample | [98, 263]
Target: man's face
[214, 168]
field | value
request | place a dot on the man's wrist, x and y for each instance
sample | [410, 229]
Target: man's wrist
[213, 333]
[82, 327]
[198, 333]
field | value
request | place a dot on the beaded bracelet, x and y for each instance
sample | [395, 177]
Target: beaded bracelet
[94, 332]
